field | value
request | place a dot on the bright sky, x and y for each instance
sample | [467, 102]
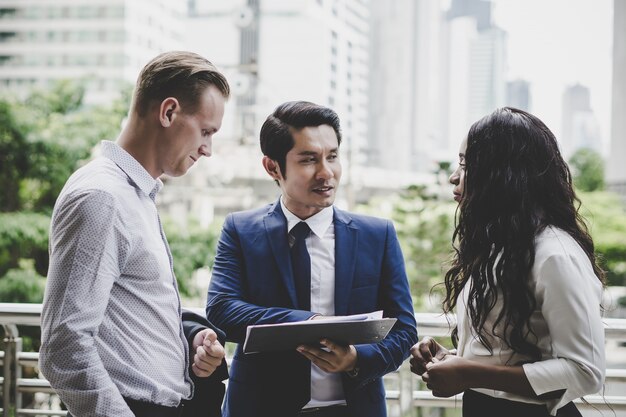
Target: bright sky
[556, 43]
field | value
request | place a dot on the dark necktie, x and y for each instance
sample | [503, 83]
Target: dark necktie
[301, 264]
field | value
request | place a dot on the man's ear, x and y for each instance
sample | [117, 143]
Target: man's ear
[168, 111]
[272, 168]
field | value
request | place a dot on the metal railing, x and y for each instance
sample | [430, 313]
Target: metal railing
[405, 393]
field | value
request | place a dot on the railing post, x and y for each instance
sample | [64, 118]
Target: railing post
[11, 398]
[407, 409]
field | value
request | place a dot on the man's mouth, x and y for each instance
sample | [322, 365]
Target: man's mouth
[323, 189]
[194, 159]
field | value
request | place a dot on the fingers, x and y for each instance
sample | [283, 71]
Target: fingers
[333, 358]
[425, 349]
[319, 357]
[214, 349]
[417, 366]
[204, 337]
[211, 337]
[207, 358]
[422, 353]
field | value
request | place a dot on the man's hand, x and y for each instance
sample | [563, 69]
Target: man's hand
[209, 353]
[424, 352]
[338, 358]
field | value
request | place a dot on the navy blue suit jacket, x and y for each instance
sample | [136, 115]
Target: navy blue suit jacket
[252, 283]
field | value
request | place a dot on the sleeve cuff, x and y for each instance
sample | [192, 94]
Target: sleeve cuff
[547, 376]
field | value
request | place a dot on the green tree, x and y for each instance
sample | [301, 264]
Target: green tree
[424, 226]
[23, 235]
[43, 139]
[192, 249]
[588, 170]
[13, 158]
[605, 214]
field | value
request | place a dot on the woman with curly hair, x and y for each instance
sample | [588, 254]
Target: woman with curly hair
[524, 281]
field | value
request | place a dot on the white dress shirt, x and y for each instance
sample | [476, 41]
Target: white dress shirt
[326, 388]
[566, 321]
[111, 319]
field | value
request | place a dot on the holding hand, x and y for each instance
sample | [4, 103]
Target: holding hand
[339, 358]
[448, 376]
[426, 351]
[209, 353]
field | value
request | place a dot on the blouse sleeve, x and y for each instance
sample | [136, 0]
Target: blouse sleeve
[569, 295]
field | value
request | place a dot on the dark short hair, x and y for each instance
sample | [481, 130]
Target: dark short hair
[179, 74]
[276, 132]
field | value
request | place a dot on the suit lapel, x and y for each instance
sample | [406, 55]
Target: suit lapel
[276, 229]
[345, 259]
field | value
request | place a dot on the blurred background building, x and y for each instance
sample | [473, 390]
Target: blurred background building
[579, 126]
[616, 174]
[407, 79]
[103, 42]
[518, 94]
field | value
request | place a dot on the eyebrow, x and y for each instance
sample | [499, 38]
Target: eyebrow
[306, 153]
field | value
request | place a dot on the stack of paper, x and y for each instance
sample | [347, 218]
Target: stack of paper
[344, 330]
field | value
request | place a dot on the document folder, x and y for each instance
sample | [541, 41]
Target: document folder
[348, 330]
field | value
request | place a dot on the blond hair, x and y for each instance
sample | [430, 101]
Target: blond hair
[179, 74]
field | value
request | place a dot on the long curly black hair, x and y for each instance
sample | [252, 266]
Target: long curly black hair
[516, 184]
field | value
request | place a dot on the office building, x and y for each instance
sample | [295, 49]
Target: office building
[104, 43]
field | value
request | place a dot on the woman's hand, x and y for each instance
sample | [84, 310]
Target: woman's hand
[448, 376]
[424, 352]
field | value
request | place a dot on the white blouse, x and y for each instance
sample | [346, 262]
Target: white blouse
[566, 321]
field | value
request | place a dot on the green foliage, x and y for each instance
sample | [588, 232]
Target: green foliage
[23, 236]
[606, 216]
[588, 170]
[424, 226]
[22, 286]
[192, 248]
[43, 139]
[13, 158]
[65, 96]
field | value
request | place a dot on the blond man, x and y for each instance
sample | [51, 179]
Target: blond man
[113, 342]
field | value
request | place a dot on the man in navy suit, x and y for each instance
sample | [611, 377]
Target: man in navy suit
[301, 258]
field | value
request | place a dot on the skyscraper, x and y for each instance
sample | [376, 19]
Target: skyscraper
[579, 126]
[274, 51]
[404, 84]
[473, 68]
[616, 174]
[103, 42]
[518, 94]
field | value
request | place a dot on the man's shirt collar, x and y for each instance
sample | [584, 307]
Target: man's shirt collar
[131, 167]
[318, 222]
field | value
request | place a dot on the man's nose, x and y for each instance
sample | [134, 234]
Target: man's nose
[325, 170]
[205, 149]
